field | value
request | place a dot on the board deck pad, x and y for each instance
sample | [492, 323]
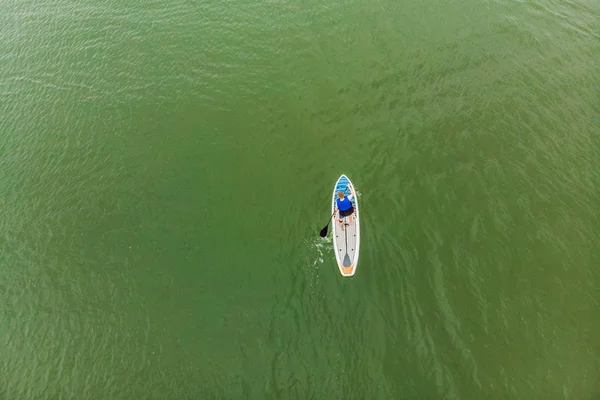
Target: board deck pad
[346, 238]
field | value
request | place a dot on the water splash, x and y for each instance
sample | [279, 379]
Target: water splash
[316, 250]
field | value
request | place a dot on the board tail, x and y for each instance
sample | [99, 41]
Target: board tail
[347, 261]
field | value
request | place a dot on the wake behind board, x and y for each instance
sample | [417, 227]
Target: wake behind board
[346, 235]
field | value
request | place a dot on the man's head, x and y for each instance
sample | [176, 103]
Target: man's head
[341, 195]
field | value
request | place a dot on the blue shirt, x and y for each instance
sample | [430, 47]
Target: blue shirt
[345, 204]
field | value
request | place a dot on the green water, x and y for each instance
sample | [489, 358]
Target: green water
[165, 168]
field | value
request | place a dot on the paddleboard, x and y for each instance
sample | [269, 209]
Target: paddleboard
[346, 235]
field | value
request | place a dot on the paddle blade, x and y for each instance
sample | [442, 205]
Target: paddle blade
[324, 231]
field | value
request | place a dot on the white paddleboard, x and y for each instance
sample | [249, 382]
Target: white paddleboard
[346, 235]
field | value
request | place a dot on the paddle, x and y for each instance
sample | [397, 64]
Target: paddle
[324, 230]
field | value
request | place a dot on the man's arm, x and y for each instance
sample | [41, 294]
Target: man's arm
[352, 194]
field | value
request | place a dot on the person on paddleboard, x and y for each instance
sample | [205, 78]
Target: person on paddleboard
[344, 205]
